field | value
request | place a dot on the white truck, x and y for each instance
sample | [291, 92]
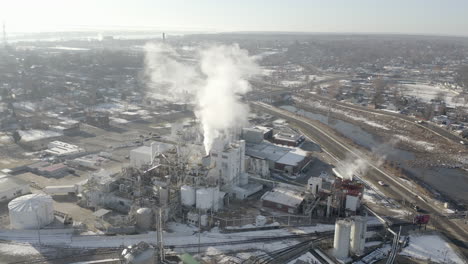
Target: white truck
[61, 189]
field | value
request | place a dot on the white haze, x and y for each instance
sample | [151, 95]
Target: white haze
[214, 82]
[353, 165]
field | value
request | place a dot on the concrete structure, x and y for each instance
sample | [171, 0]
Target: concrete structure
[208, 199]
[358, 235]
[284, 199]
[145, 155]
[256, 134]
[314, 184]
[144, 219]
[352, 203]
[31, 211]
[187, 195]
[257, 166]
[11, 187]
[228, 162]
[342, 239]
[260, 220]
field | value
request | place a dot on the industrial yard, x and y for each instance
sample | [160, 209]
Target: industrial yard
[168, 150]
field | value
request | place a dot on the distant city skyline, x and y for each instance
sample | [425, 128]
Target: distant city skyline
[428, 17]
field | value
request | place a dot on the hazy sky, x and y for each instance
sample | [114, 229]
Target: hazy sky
[448, 17]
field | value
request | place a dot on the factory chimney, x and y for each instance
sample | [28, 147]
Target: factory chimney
[164, 36]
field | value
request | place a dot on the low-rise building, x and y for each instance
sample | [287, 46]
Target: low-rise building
[11, 187]
[288, 139]
[284, 199]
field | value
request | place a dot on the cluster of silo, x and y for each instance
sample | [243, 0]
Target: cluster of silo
[350, 237]
[205, 198]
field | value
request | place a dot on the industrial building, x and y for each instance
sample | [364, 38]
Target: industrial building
[11, 187]
[257, 134]
[284, 199]
[288, 139]
[289, 160]
[62, 149]
[145, 155]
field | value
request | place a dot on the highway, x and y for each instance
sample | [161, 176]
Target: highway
[397, 189]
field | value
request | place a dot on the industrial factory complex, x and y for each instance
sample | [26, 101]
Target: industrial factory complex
[108, 155]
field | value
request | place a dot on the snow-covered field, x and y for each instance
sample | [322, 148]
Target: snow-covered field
[426, 92]
[431, 248]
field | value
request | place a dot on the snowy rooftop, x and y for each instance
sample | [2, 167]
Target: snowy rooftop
[293, 158]
[279, 195]
[284, 155]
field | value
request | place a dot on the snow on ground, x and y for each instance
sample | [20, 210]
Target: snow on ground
[426, 92]
[431, 248]
[375, 255]
[419, 143]
[337, 111]
[5, 139]
[177, 234]
[36, 134]
[305, 258]
[22, 249]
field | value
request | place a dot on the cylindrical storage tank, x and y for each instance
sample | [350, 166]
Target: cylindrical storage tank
[144, 218]
[260, 220]
[215, 199]
[187, 195]
[341, 241]
[204, 220]
[358, 235]
[31, 211]
[204, 198]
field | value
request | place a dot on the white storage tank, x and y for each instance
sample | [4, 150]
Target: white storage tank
[260, 220]
[187, 195]
[358, 235]
[342, 238]
[144, 218]
[208, 198]
[31, 211]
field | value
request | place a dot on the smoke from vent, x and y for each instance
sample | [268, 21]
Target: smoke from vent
[215, 81]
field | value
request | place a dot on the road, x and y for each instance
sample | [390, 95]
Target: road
[398, 190]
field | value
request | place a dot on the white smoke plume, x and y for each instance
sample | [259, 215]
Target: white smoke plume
[353, 165]
[214, 82]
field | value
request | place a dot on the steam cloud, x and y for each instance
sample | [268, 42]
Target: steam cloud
[214, 82]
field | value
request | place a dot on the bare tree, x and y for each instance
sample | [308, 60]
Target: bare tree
[379, 87]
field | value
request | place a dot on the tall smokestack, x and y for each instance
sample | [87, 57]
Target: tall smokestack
[164, 36]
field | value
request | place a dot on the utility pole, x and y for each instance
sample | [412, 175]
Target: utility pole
[199, 231]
